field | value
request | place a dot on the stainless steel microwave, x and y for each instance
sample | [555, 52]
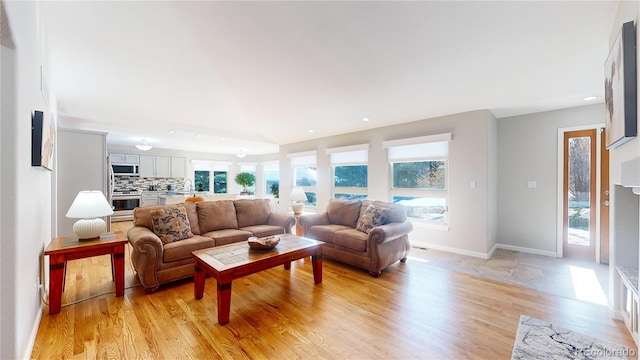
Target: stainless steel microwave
[126, 169]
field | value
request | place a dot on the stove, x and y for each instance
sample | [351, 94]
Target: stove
[127, 192]
[123, 202]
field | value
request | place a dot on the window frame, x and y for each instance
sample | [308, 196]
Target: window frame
[414, 156]
[304, 160]
[348, 190]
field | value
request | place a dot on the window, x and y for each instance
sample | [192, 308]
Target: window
[210, 175]
[429, 175]
[201, 180]
[251, 169]
[305, 175]
[418, 171]
[350, 171]
[271, 178]
[219, 182]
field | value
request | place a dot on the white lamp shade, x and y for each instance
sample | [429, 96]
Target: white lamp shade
[89, 204]
[297, 194]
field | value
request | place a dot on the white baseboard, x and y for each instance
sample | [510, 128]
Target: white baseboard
[34, 332]
[528, 250]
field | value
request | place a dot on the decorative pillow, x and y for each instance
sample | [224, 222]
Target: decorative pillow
[373, 216]
[171, 224]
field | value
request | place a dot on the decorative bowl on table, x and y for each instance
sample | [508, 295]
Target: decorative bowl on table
[264, 243]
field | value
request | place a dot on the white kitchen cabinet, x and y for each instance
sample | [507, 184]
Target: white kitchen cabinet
[149, 198]
[178, 167]
[163, 166]
[155, 166]
[117, 158]
[147, 166]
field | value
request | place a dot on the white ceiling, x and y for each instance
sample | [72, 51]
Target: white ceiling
[254, 75]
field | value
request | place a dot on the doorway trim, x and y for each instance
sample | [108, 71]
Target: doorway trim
[560, 186]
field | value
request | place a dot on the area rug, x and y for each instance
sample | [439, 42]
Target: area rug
[537, 339]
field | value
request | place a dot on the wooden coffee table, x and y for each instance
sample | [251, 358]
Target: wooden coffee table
[233, 261]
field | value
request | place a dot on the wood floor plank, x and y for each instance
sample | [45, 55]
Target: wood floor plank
[413, 310]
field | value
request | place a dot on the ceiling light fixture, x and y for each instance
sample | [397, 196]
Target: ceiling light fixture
[240, 154]
[365, 119]
[144, 146]
[589, 98]
[311, 131]
[171, 132]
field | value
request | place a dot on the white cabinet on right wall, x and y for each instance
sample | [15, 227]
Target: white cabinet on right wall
[178, 167]
[152, 166]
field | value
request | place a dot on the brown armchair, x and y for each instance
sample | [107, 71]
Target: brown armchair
[374, 251]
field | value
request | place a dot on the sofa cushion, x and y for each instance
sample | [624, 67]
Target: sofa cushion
[228, 236]
[325, 232]
[252, 212]
[192, 215]
[216, 215]
[351, 239]
[171, 224]
[372, 217]
[264, 230]
[344, 212]
[180, 250]
[396, 213]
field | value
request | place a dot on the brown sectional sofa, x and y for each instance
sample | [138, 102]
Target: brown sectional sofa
[212, 223]
[374, 251]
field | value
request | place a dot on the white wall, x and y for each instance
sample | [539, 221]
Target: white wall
[528, 151]
[624, 227]
[470, 213]
[26, 205]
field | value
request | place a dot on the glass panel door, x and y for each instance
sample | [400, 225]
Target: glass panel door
[579, 194]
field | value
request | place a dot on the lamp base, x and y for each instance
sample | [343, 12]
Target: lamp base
[86, 229]
[297, 208]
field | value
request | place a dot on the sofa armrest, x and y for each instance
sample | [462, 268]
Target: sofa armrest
[307, 221]
[285, 220]
[146, 255]
[389, 232]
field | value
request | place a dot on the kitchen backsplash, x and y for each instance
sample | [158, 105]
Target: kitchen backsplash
[140, 183]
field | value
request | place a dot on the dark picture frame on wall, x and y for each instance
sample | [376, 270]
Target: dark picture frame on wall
[42, 137]
[620, 88]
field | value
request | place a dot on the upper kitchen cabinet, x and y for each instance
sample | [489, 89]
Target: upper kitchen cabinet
[162, 166]
[124, 158]
[178, 167]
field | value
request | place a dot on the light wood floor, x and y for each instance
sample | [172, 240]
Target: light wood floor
[413, 310]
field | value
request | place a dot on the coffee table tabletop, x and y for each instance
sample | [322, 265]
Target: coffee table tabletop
[228, 262]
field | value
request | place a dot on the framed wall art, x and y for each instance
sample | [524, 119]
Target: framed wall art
[620, 88]
[42, 140]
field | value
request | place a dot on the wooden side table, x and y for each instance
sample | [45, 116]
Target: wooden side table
[63, 249]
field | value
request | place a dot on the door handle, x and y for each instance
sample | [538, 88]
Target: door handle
[606, 192]
[605, 203]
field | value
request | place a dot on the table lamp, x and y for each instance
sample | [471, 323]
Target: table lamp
[298, 197]
[89, 206]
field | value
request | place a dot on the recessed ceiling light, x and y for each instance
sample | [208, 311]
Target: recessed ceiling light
[197, 135]
[171, 132]
[311, 131]
[365, 119]
[589, 98]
